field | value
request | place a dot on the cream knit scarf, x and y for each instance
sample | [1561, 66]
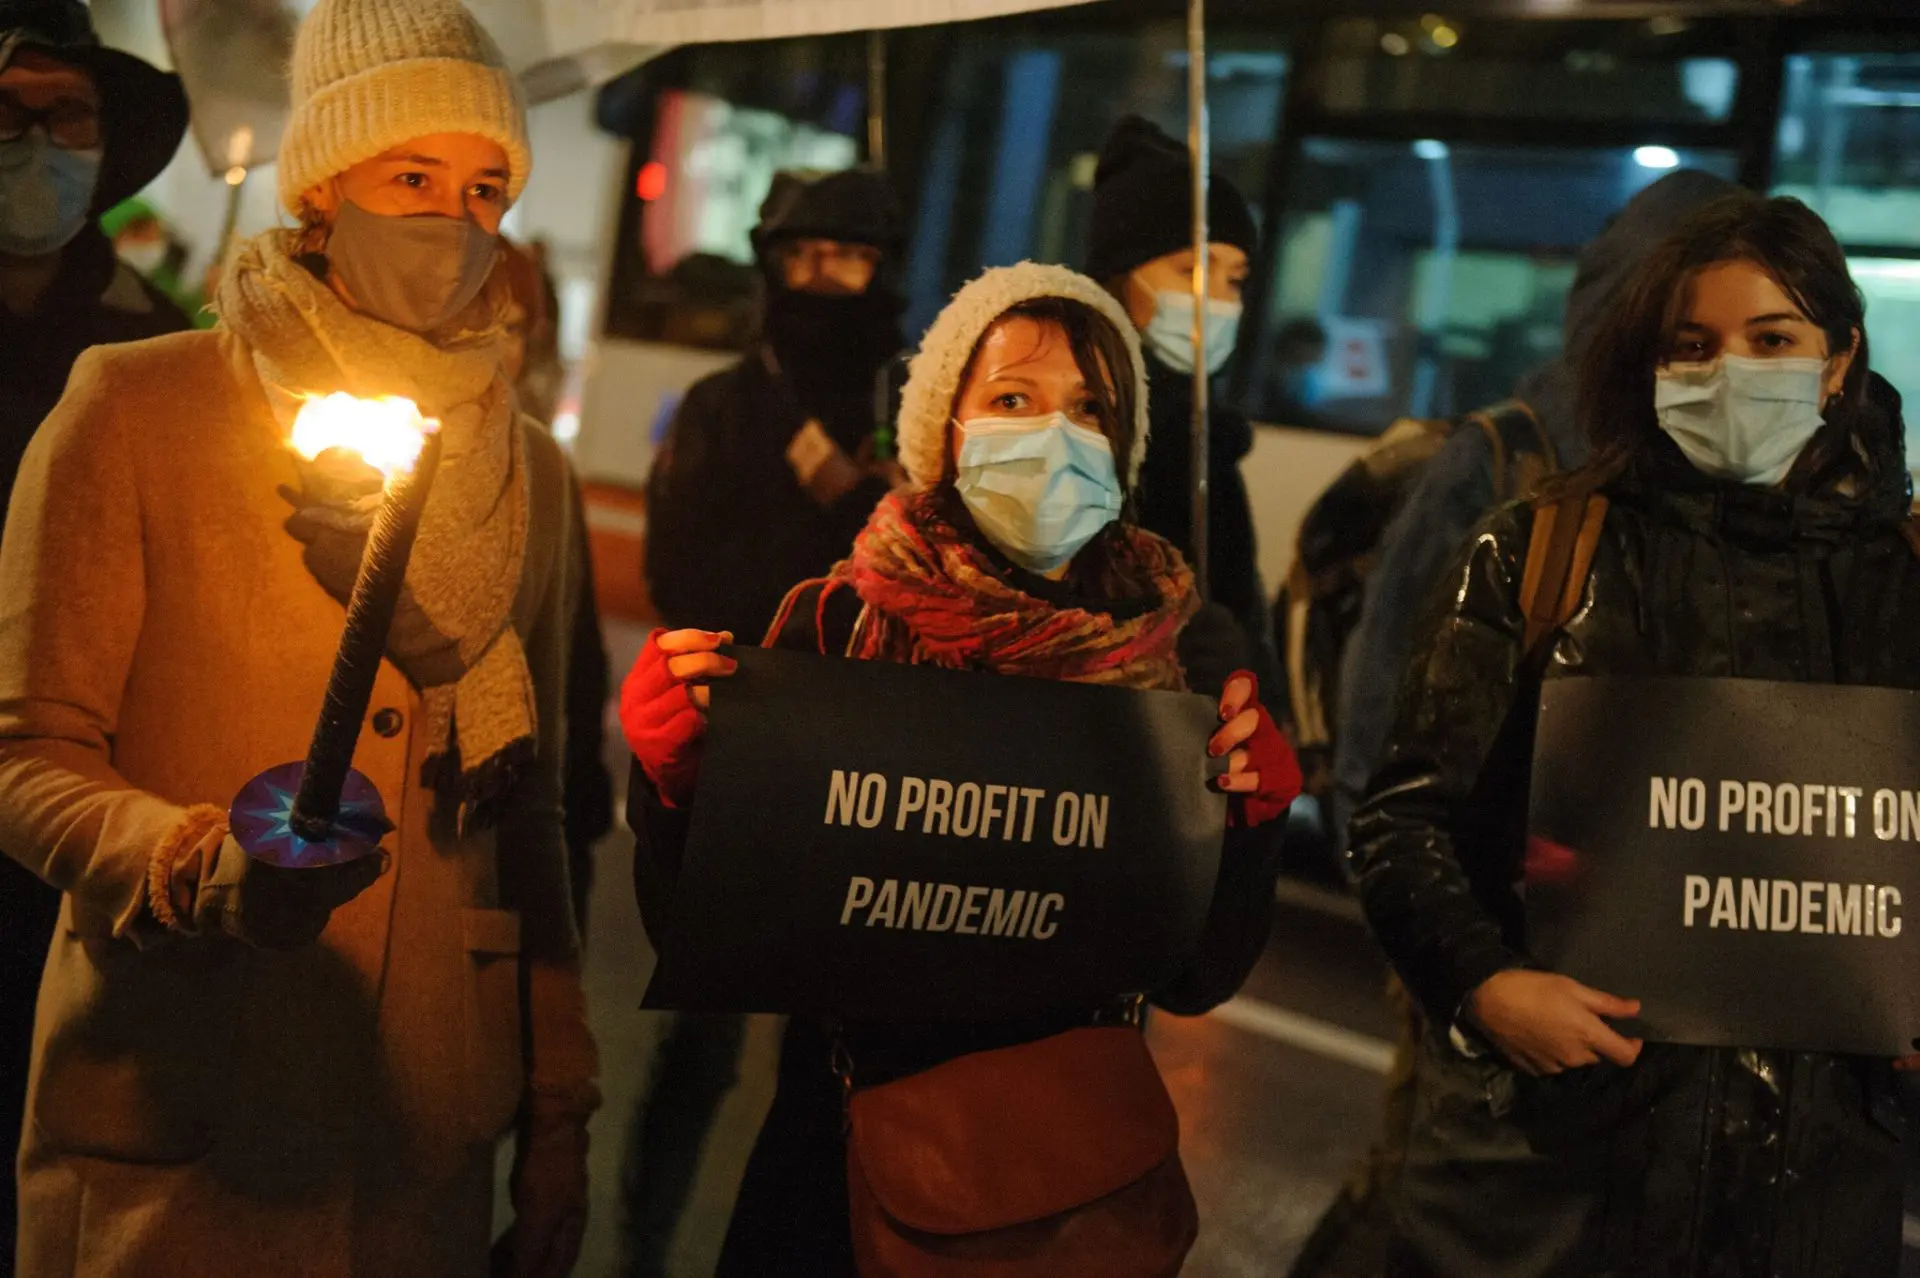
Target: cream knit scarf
[454, 635]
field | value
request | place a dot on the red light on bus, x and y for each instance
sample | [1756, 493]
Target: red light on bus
[652, 182]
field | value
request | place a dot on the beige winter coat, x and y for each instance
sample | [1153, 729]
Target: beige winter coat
[198, 1107]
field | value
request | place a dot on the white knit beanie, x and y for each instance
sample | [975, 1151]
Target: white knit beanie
[933, 378]
[369, 75]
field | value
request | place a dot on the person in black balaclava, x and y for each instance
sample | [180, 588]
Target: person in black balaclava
[769, 469]
[771, 466]
[1140, 246]
[82, 127]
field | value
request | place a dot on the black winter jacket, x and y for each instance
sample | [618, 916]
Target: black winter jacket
[729, 529]
[1695, 1161]
[93, 301]
[1165, 500]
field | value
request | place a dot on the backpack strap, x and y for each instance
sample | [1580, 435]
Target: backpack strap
[1565, 536]
[1497, 441]
[1496, 423]
[1308, 713]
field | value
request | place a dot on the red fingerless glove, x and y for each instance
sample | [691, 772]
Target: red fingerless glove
[1269, 754]
[664, 729]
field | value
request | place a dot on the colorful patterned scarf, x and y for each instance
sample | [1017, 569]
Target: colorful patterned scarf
[934, 596]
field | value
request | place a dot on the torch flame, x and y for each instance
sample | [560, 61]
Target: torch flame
[387, 433]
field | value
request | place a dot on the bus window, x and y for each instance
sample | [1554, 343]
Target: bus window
[1017, 121]
[1849, 145]
[1434, 273]
[711, 126]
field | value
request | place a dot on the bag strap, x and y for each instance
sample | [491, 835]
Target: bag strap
[1520, 408]
[1910, 529]
[1494, 422]
[1497, 441]
[1303, 690]
[1565, 536]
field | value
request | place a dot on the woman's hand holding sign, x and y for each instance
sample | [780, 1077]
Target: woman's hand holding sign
[1262, 773]
[694, 657]
[1545, 1023]
[663, 706]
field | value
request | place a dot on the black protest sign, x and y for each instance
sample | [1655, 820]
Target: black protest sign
[883, 840]
[1739, 855]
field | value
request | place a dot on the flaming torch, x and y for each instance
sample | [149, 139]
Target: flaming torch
[321, 811]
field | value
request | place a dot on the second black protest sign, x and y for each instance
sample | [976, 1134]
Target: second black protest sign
[883, 840]
[1739, 855]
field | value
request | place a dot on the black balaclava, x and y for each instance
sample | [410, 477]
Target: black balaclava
[830, 347]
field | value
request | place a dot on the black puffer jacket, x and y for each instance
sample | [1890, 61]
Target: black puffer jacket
[1695, 1161]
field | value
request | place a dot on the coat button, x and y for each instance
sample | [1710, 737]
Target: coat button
[388, 722]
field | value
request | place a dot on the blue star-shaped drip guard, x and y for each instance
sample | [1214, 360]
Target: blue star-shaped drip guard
[262, 814]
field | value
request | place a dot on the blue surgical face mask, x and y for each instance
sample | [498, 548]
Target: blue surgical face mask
[1740, 418]
[1039, 487]
[1169, 334]
[45, 194]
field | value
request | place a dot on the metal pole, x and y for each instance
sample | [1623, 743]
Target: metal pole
[877, 99]
[1199, 152]
[230, 224]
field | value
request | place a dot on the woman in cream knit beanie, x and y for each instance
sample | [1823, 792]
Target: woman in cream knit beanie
[1012, 553]
[240, 1071]
[933, 379]
[369, 75]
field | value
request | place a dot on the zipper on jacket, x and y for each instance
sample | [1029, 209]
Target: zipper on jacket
[1703, 1196]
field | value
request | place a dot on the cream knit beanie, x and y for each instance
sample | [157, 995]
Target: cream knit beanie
[371, 74]
[933, 378]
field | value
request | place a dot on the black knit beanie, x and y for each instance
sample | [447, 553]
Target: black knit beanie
[1143, 203]
[855, 206]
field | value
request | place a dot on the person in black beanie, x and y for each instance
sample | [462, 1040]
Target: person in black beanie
[770, 468]
[1140, 245]
[82, 127]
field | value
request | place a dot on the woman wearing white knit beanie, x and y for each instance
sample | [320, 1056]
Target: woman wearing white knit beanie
[304, 1074]
[1011, 551]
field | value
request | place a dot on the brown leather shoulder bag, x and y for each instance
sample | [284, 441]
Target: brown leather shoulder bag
[1053, 1159]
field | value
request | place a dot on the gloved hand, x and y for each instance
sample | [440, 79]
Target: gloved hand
[821, 465]
[1263, 776]
[549, 1190]
[264, 905]
[660, 715]
[1211, 647]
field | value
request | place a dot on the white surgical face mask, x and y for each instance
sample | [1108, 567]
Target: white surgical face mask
[1169, 334]
[1741, 418]
[1040, 488]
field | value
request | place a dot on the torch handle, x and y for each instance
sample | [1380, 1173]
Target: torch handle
[376, 593]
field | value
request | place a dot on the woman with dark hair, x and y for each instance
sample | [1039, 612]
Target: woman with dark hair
[1750, 487]
[1021, 428]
